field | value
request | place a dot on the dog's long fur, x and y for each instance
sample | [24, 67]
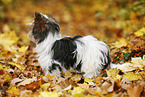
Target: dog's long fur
[57, 54]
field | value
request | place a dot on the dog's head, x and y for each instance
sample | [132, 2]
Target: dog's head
[42, 26]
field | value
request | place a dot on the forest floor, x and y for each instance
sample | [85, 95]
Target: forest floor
[118, 23]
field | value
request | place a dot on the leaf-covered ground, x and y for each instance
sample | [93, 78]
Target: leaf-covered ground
[120, 23]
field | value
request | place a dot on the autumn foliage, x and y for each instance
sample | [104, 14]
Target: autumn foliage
[119, 23]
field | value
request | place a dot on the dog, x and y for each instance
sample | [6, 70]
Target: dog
[84, 54]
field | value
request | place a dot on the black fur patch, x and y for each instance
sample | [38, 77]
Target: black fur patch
[64, 51]
[53, 67]
[107, 62]
[78, 68]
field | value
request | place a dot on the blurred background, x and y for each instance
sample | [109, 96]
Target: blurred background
[106, 20]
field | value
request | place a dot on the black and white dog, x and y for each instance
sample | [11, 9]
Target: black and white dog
[57, 54]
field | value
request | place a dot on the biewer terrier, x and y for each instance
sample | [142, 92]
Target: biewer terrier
[57, 54]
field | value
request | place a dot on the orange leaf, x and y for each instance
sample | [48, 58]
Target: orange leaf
[33, 86]
[134, 91]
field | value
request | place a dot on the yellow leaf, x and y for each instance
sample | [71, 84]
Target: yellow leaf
[120, 43]
[128, 68]
[14, 90]
[76, 78]
[18, 65]
[132, 76]
[7, 77]
[140, 32]
[23, 49]
[6, 28]
[50, 77]
[1, 67]
[138, 61]
[68, 74]
[46, 85]
[88, 80]
[142, 73]
[79, 95]
[77, 90]
[84, 85]
[113, 73]
[98, 79]
[48, 94]
[8, 39]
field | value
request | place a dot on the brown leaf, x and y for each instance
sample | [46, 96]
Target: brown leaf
[90, 91]
[33, 86]
[2, 71]
[117, 85]
[134, 90]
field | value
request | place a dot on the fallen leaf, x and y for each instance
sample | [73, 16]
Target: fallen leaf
[98, 79]
[68, 74]
[113, 73]
[8, 39]
[140, 32]
[14, 91]
[26, 93]
[7, 77]
[77, 90]
[6, 28]
[45, 86]
[132, 76]
[18, 65]
[134, 90]
[48, 94]
[15, 80]
[120, 43]
[22, 49]
[50, 77]
[125, 83]
[79, 95]
[89, 81]
[2, 71]
[67, 88]
[90, 91]
[33, 86]
[76, 78]
[84, 85]
[138, 61]
[27, 81]
[57, 88]
[104, 87]
[107, 87]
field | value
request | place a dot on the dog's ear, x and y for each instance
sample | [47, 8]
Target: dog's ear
[43, 25]
[39, 26]
[38, 16]
[40, 22]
